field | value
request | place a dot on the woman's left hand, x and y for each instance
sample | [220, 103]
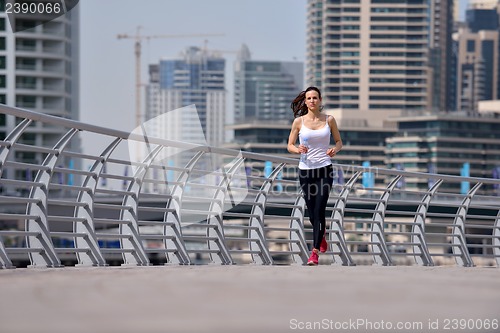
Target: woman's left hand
[331, 152]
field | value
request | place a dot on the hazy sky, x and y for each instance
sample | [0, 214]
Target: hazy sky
[272, 29]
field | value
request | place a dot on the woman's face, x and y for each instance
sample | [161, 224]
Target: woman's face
[312, 100]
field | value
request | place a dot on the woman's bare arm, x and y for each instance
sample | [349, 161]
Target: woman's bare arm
[336, 137]
[292, 138]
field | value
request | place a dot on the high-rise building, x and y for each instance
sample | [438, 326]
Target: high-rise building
[198, 78]
[186, 101]
[483, 17]
[441, 55]
[478, 58]
[314, 51]
[370, 54]
[456, 10]
[483, 4]
[263, 90]
[39, 71]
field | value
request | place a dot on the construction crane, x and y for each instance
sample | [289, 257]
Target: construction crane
[138, 40]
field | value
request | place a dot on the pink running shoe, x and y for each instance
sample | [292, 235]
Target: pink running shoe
[323, 247]
[313, 259]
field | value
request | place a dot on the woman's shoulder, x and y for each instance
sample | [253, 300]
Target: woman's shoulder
[297, 122]
[331, 121]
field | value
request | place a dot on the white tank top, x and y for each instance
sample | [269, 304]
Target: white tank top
[318, 142]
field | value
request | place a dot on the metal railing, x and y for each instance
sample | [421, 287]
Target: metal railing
[221, 206]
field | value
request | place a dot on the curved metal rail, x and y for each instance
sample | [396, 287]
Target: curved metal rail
[242, 211]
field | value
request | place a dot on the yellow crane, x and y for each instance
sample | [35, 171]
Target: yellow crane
[138, 40]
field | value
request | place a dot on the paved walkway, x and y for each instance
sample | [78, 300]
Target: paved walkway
[248, 299]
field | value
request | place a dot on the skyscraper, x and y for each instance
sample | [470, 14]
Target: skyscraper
[456, 10]
[441, 55]
[314, 49]
[263, 90]
[186, 101]
[483, 4]
[370, 54]
[196, 78]
[478, 58]
[483, 16]
[39, 71]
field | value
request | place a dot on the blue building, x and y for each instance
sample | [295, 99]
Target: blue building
[196, 77]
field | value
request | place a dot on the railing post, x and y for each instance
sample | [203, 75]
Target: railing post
[297, 223]
[48, 256]
[257, 223]
[11, 139]
[461, 250]
[380, 251]
[496, 239]
[5, 151]
[217, 205]
[94, 257]
[4, 259]
[337, 236]
[138, 256]
[172, 219]
[420, 249]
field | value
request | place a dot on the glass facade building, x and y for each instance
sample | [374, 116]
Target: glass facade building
[196, 78]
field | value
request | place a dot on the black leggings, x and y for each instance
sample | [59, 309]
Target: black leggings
[316, 185]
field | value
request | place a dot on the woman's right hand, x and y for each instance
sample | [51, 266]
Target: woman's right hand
[303, 149]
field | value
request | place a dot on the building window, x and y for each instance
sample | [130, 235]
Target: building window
[350, 106]
[25, 82]
[29, 139]
[25, 45]
[2, 43]
[350, 79]
[26, 101]
[350, 54]
[3, 62]
[22, 25]
[349, 97]
[3, 81]
[471, 45]
[26, 63]
[344, 88]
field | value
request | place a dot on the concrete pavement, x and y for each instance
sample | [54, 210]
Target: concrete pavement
[249, 299]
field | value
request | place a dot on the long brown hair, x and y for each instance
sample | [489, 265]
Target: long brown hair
[299, 106]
